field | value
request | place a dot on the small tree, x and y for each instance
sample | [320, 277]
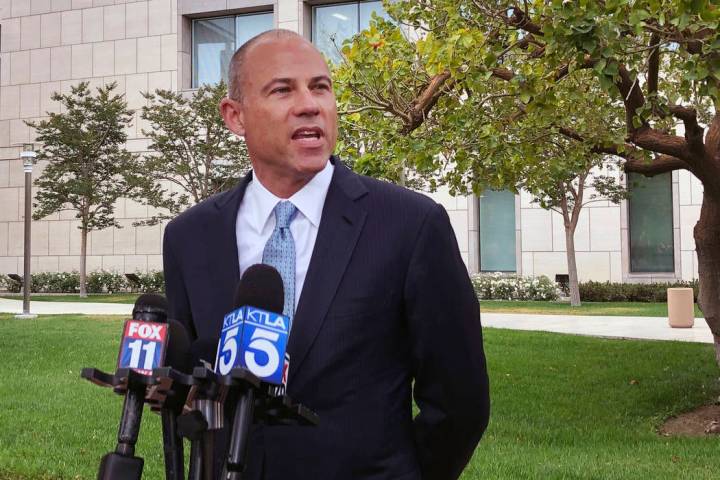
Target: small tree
[191, 148]
[88, 167]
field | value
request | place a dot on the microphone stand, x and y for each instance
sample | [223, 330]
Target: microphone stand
[257, 403]
[168, 396]
[122, 463]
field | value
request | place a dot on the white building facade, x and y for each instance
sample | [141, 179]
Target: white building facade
[51, 45]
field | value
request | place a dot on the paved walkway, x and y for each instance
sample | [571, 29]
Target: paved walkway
[653, 328]
[50, 308]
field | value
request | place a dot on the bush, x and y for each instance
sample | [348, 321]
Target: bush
[631, 292]
[55, 282]
[103, 281]
[498, 286]
[151, 282]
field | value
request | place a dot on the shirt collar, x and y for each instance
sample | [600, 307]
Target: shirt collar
[309, 200]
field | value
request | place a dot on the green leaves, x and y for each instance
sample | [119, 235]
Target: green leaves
[192, 154]
[88, 167]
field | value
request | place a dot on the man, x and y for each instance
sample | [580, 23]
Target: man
[382, 307]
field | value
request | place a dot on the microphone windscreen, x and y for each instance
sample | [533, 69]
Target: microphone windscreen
[261, 286]
[178, 354]
[150, 307]
[203, 350]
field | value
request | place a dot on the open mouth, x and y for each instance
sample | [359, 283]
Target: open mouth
[307, 133]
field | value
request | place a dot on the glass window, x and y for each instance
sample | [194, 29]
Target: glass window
[497, 231]
[651, 223]
[333, 24]
[215, 41]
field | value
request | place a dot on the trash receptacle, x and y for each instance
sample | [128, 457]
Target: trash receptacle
[681, 307]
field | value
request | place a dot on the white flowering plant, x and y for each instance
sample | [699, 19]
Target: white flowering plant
[501, 286]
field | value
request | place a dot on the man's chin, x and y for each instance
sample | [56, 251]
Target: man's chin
[310, 165]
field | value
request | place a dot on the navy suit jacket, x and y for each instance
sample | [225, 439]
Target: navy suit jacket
[387, 314]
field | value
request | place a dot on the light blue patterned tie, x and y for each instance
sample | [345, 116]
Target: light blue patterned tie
[279, 252]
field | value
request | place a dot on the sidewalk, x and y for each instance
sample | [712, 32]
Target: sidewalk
[53, 308]
[649, 328]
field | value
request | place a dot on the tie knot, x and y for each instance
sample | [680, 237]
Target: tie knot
[284, 213]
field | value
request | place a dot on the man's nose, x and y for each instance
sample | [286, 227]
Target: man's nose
[306, 103]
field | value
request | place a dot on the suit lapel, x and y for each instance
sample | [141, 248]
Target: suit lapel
[222, 242]
[341, 224]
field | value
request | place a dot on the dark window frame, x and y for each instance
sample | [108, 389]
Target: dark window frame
[193, 22]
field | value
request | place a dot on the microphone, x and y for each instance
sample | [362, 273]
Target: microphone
[150, 307]
[172, 399]
[146, 344]
[254, 336]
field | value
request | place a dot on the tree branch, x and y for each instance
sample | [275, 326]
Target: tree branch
[520, 20]
[660, 164]
[361, 109]
[632, 95]
[653, 64]
[693, 131]
[421, 106]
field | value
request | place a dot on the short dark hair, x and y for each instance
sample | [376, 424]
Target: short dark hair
[238, 59]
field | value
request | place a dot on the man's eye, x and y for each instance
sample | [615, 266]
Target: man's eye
[280, 90]
[322, 86]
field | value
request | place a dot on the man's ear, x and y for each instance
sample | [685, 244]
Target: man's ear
[233, 115]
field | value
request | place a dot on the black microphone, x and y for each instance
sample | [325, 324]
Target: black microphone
[150, 307]
[178, 358]
[136, 384]
[261, 287]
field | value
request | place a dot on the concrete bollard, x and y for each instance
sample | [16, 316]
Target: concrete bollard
[681, 307]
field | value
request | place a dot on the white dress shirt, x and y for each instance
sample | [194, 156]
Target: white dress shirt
[256, 222]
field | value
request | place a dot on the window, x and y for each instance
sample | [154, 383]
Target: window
[216, 39]
[651, 223]
[333, 24]
[497, 231]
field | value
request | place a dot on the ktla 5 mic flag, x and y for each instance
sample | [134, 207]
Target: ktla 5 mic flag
[255, 339]
[143, 345]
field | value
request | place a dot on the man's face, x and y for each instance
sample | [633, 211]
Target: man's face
[287, 113]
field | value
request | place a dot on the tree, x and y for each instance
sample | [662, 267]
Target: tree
[488, 83]
[88, 167]
[191, 148]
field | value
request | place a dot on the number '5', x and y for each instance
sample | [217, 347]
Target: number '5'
[262, 341]
[228, 354]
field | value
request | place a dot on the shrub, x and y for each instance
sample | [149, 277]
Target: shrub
[631, 292]
[498, 286]
[56, 282]
[152, 282]
[103, 281]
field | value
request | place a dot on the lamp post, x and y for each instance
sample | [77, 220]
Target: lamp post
[28, 157]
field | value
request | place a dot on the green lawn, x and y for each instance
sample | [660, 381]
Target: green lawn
[92, 298]
[563, 406]
[634, 309]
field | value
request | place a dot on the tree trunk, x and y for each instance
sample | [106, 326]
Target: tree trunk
[83, 258]
[572, 265]
[707, 246]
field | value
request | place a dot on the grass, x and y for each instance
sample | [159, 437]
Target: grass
[633, 309]
[563, 406]
[92, 298]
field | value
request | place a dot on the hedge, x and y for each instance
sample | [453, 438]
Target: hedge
[99, 281]
[631, 292]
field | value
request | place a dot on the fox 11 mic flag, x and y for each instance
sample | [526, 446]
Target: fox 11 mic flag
[254, 339]
[143, 346]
